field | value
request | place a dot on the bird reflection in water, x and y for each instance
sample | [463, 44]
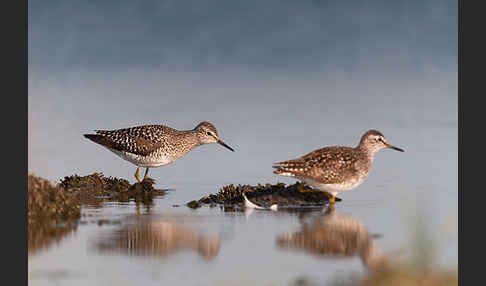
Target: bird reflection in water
[160, 238]
[336, 235]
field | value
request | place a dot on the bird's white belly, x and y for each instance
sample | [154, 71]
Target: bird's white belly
[142, 161]
[334, 188]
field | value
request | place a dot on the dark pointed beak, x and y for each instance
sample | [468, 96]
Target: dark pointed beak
[224, 145]
[393, 147]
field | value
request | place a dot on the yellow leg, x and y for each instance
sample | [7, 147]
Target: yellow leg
[332, 199]
[146, 172]
[137, 176]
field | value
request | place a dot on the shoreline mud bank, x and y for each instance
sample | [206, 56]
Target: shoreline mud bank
[296, 195]
[54, 210]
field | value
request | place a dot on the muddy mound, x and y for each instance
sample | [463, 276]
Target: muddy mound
[296, 195]
[49, 202]
[48, 205]
[99, 186]
[54, 209]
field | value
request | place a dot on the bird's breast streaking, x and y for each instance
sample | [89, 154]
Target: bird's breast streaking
[329, 165]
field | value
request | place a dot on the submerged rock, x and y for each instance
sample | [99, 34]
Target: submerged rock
[296, 195]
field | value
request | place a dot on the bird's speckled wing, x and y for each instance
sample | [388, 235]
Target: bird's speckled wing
[329, 165]
[140, 140]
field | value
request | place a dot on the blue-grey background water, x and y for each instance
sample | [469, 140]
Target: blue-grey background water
[278, 79]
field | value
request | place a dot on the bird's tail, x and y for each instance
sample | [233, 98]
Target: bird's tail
[100, 139]
[283, 171]
[290, 168]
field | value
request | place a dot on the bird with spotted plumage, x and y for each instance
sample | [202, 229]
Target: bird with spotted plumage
[151, 146]
[336, 169]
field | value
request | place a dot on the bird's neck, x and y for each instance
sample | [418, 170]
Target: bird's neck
[368, 151]
[188, 140]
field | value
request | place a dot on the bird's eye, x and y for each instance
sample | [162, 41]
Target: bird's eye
[208, 133]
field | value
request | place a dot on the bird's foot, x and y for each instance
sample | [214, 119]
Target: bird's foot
[331, 197]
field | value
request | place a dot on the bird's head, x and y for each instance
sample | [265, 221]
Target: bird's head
[207, 133]
[374, 141]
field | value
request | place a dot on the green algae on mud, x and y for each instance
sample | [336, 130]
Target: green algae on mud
[296, 195]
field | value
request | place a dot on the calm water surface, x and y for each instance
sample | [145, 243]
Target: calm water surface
[278, 79]
[167, 245]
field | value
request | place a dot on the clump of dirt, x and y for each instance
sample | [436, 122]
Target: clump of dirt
[49, 205]
[54, 209]
[50, 202]
[296, 195]
[98, 186]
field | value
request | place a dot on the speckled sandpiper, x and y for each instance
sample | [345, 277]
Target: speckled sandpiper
[152, 146]
[336, 169]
